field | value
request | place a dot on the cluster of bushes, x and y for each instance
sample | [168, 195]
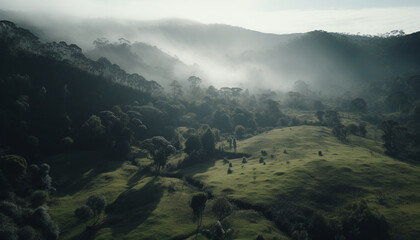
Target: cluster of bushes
[221, 208]
[200, 146]
[25, 223]
[332, 119]
[93, 209]
[23, 193]
[398, 142]
[354, 221]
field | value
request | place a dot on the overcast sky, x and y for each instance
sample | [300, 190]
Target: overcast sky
[275, 16]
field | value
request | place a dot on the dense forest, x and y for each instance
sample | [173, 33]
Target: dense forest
[90, 151]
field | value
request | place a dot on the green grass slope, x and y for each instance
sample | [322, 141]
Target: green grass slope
[345, 173]
[141, 206]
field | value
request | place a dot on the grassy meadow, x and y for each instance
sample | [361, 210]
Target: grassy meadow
[143, 206]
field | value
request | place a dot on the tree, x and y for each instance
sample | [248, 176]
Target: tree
[160, 149]
[194, 82]
[320, 116]
[236, 91]
[395, 137]
[222, 120]
[212, 92]
[198, 203]
[97, 204]
[92, 131]
[176, 89]
[83, 213]
[332, 118]
[239, 131]
[208, 142]
[340, 132]
[234, 144]
[222, 208]
[193, 143]
[13, 166]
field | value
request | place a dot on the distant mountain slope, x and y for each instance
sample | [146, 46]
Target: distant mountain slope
[22, 39]
[225, 55]
[143, 58]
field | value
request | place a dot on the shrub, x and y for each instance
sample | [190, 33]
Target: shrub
[97, 204]
[222, 208]
[10, 209]
[7, 228]
[83, 213]
[40, 177]
[39, 198]
[13, 166]
[229, 171]
[359, 222]
[27, 233]
[42, 219]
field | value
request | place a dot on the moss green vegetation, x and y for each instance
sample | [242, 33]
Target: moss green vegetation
[344, 174]
[141, 206]
[147, 207]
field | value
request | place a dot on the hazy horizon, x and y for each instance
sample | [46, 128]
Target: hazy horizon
[221, 56]
[373, 17]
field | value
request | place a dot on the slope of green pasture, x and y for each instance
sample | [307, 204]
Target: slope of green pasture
[140, 206]
[345, 173]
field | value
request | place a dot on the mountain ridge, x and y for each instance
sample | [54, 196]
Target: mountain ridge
[22, 39]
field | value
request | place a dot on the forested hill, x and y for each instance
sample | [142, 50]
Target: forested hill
[49, 90]
[228, 56]
[19, 39]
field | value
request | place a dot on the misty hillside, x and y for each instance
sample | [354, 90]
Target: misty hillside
[223, 55]
[142, 58]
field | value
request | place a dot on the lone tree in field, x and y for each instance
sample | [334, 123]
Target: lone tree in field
[97, 204]
[198, 203]
[160, 149]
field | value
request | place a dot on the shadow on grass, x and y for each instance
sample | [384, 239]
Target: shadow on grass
[140, 174]
[133, 207]
[71, 172]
